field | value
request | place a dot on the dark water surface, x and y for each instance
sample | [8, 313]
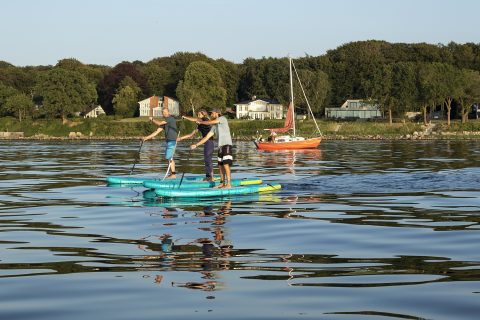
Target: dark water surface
[360, 230]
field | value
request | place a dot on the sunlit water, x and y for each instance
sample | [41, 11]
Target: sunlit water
[360, 230]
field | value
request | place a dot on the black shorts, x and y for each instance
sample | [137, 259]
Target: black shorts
[225, 155]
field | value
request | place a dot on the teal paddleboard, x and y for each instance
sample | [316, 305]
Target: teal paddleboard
[139, 180]
[212, 192]
[190, 184]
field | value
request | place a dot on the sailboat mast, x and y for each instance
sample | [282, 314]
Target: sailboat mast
[291, 94]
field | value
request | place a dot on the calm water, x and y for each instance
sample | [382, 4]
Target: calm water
[361, 230]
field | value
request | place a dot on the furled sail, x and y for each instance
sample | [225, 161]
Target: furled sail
[288, 121]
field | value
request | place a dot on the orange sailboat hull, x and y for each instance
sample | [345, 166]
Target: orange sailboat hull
[292, 145]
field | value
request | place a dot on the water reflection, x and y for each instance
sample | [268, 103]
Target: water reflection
[386, 229]
[207, 255]
[288, 160]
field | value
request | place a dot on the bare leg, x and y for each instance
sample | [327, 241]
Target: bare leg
[172, 169]
[222, 176]
[228, 178]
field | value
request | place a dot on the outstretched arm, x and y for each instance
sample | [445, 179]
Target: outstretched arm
[153, 134]
[209, 122]
[190, 118]
[188, 136]
[158, 123]
[205, 139]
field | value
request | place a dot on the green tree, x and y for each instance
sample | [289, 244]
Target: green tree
[230, 74]
[93, 73]
[65, 92]
[110, 84]
[353, 64]
[404, 89]
[125, 102]
[316, 86]
[276, 79]
[129, 82]
[20, 105]
[202, 87]
[470, 92]
[5, 93]
[157, 77]
[453, 78]
[429, 90]
[466, 55]
[251, 80]
[379, 89]
[448, 82]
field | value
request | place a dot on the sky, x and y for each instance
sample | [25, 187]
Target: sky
[107, 32]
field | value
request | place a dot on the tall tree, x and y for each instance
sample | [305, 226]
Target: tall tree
[157, 77]
[110, 84]
[470, 92]
[65, 92]
[429, 90]
[353, 64]
[127, 81]
[230, 74]
[251, 80]
[379, 89]
[404, 90]
[125, 102]
[316, 86]
[20, 105]
[202, 87]
[449, 82]
[94, 73]
[5, 93]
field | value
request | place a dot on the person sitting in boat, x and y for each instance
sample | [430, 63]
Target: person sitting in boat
[221, 130]
[272, 137]
[169, 125]
[208, 146]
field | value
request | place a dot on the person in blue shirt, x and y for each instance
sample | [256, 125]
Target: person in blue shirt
[169, 125]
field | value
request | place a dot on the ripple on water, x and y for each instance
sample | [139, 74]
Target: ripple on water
[359, 230]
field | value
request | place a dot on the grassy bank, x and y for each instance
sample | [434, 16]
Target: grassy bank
[241, 129]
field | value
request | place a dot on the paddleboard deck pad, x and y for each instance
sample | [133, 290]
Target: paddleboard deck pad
[190, 184]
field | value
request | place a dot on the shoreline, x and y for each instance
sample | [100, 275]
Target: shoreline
[443, 136]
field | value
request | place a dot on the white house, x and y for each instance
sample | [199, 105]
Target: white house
[93, 112]
[354, 109]
[259, 109]
[152, 107]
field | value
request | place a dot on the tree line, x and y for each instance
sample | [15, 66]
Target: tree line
[398, 77]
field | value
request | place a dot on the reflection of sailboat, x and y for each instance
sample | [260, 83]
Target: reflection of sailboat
[289, 158]
[289, 142]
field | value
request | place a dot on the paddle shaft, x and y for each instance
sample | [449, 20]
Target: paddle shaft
[183, 173]
[137, 158]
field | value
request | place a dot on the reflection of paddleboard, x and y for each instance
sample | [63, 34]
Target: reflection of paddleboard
[190, 184]
[212, 192]
[129, 180]
[152, 200]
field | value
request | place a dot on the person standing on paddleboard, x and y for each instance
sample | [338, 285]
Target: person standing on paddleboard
[208, 147]
[221, 130]
[169, 125]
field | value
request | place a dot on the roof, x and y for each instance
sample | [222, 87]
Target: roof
[269, 101]
[90, 108]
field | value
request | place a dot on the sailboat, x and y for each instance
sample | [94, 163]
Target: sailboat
[289, 142]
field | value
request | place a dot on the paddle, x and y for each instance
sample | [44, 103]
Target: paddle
[137, 158]
[183, 173]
